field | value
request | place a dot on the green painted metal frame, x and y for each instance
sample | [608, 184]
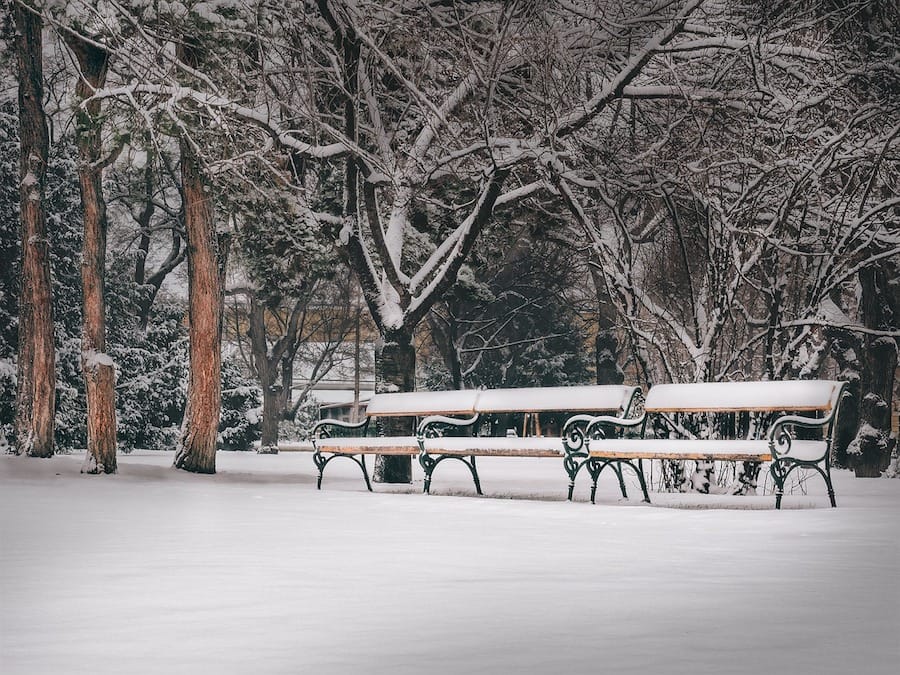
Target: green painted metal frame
[434, 426]
[577, 430]
[325, 429]
[783, 464]
[599, 428]
[573, 431]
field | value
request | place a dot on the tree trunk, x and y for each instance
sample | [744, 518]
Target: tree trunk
[271, 415]
[606, 344]
[395, 371]
[36, 385]
[197, 447]
[99, 372]
[444, 334]
[265, 367]
[870, 452]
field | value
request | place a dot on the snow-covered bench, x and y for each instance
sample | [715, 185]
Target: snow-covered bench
[441, 437]
[335, 438]
[442, 412]
[759, 411]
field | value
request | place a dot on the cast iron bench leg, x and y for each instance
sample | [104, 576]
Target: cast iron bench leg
[617, 467]
[362, 465]
[778, 477]
[642, 481]
[429, 463]
[572, 467]
[322, 462]
[475, 478]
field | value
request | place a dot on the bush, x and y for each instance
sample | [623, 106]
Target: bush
[241, 401]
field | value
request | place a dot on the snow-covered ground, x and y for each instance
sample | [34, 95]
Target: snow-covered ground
[254, 571]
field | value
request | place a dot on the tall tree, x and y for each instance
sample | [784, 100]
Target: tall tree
[875, 356]
[497, 109]
[97, 365]
[197, 446]
[36, 385]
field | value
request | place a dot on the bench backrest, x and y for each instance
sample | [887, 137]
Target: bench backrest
[790, 395]
[587, 398]
[592, 398]
[423, 403]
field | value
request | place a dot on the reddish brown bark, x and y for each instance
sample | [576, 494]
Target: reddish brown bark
[98, 369]
[36, 387]
[197, 447]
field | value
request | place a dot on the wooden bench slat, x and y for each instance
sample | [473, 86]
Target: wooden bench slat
[495, 446]
[676, 456]
[422, 403]
[726, 450]
[766, 396]
[371, 445]
[583, 398]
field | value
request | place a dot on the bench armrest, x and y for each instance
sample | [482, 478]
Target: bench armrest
[573, 434]
[433, 425]
[780, 438]
[595, 428]
[322, 428]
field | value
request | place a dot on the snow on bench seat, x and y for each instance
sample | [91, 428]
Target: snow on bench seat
[372, 445]
[728, 450]
[497, 446]
[295, 446]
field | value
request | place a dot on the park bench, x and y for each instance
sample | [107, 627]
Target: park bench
[445, 434]
[335, 438]
[442, 437]
[728, 421]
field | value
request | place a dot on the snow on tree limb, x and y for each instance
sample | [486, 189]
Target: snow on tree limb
[468, 231]
[260, 119]
[613, 88]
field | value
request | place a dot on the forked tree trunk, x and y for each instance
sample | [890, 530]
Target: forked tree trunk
[395, 371]
[197, 447]
[99, 372]
[36, 384]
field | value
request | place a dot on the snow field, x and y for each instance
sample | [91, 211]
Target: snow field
[254, 571]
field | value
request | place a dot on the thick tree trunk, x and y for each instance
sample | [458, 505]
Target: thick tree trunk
[870, 452]
[36, 388]
[845, 348]
[271, 415]
[395, 371]
[99, 372]
[197, 447]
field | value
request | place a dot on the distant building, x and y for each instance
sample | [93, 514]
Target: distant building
[335, 393]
